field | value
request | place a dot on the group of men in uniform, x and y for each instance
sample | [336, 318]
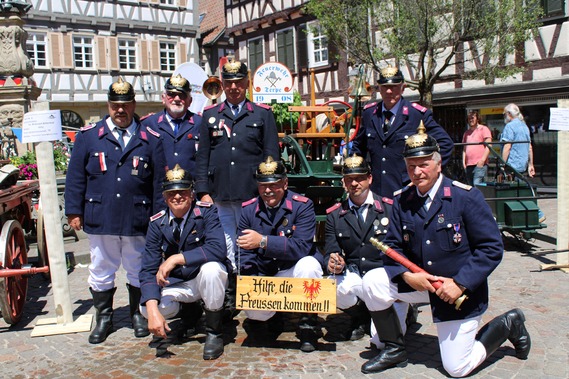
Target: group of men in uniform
[231, 197]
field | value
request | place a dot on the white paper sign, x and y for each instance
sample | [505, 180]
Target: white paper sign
[559, 119]
[41, 126]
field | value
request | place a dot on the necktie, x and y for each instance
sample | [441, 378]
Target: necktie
[235, 109]
[177, 123]
[121, 133]
[360, 214]
[177, 230]
[387, 121]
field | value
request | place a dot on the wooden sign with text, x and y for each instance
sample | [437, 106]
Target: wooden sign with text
[266, 293]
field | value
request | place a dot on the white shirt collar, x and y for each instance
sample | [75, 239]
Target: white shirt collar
[433, 191]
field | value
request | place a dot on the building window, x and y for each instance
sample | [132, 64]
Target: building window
[553, 8]
[167, 2]
[36, 46]
[167, 56]
[317, 46]
[83, 52]
[127, 54]
[255, 47]
[285, 48]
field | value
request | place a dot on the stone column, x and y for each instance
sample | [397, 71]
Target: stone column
[17, 87]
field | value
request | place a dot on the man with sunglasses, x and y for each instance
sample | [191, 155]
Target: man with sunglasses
[184, 262]
[177, 125]
[276, 233]
[112, 188]
[235, 136]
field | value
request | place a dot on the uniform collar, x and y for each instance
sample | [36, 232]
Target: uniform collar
[434, 189]
[171, 217]
[368, 201]
[393, 110]
[129, 131]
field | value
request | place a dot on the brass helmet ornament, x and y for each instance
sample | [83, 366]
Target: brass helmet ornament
[355, 165]
[177, 179]
[120, 92]
[177, 83]
[420, 144]
[270, 171]
[234, 70]
[390, 76]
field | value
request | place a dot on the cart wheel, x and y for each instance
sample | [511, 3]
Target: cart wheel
[43, 259]
[13, 289]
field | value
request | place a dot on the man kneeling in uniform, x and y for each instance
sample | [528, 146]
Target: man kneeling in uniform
[448, 229]
[276, 233]
[350, 256]
[184, 261]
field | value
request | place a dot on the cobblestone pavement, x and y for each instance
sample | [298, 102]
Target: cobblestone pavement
[518, 282]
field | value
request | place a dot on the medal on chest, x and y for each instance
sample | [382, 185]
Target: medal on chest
[457, 237]
[135, 161]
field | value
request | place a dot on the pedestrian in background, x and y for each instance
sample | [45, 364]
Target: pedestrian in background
[112, 188]
[475, 157]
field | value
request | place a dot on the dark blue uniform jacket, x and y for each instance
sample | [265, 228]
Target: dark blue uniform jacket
[202, 240]
[428, 240]
[289, 236]
[345, 236]
[231, 149]
[116, 191]
[386, 151]
[182, 148]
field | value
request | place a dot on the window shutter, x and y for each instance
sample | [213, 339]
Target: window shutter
[302, 47]
[101, 51]
[144, 61]
[155, 56]
[182, 53]
[182, 3]
[67, 50]
[54, 40]
[113, 51]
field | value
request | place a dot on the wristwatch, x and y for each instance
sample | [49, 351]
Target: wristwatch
[263, 243]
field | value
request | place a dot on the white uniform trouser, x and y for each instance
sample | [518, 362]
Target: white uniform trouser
[229, 213]
[460, 351]
[208, 285]
[307, 267]
[107, 254]
[349, 289]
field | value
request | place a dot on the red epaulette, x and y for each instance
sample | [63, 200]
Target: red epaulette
[153, 132]
[251, 201]
[88, 127]
[146, 116]
[206, 204]
[387, 200]
[333, 208]
[265, 106]
[369, 105]
[302, 199]
[157, 215]
[419, 107]
[210, 107]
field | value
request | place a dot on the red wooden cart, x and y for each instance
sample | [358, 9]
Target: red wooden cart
[15, 220]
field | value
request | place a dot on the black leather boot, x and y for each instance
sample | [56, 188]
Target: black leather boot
[190, 314]
[103, 303]
[509, 326]
[308, 332]
[230, 311]
[213, 347]
[139, 323]
[360, 319]
[389, 332]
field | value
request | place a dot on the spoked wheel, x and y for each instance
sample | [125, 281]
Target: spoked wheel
[43, 259]
[13, 289]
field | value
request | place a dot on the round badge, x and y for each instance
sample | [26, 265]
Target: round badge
[384, 221]
[211, 120]
[285, 222]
